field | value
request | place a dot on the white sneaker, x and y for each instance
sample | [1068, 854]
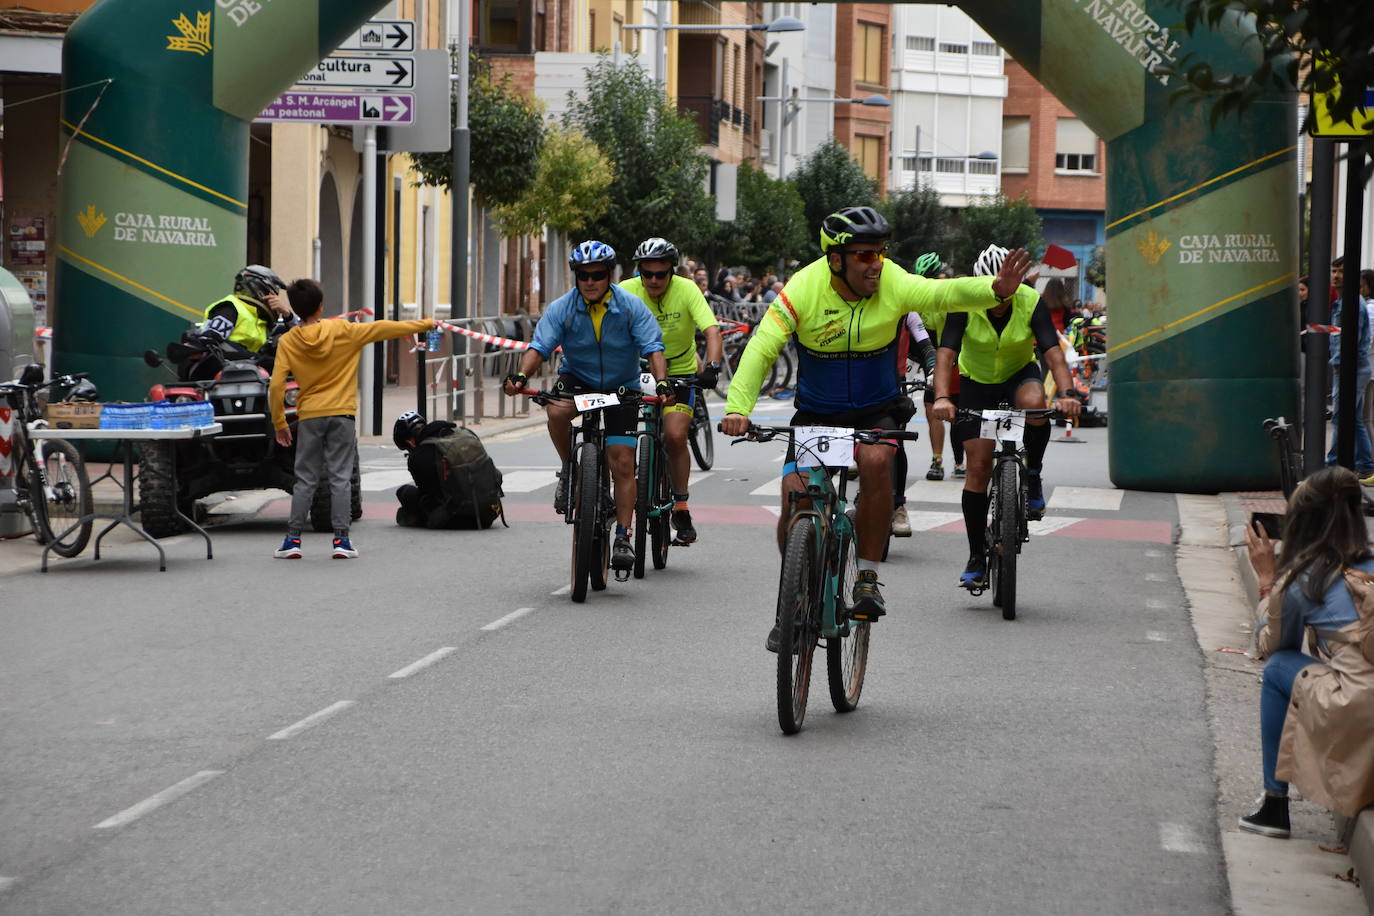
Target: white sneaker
[901, 525]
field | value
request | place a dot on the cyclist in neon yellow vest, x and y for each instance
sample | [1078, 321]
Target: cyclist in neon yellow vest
[843, 310]
[680, 309]
[253, 313]
[996, 357]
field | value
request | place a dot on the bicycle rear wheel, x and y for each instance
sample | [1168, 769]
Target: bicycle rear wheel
[644, 496]
[660, 526]
[797, 624]
[66, 499]
[846, 658]
[700, 435]
[1009, 506]
[586, 493]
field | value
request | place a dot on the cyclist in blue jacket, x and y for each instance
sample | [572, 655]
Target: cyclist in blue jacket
[604, 331]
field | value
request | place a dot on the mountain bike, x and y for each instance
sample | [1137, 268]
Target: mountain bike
[653, 490]
[585, 486]
[1007, 527]
[819, 566]
[50, 481]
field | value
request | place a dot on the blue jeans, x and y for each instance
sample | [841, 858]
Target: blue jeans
[1276, 691]
[1364, 453]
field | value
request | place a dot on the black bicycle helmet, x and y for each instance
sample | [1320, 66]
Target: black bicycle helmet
[83, 390]
[406, 427]
[853, 224]
[656, 249]
[257, 282]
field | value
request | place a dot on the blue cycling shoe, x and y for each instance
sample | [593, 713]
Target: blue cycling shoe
[1035, 496]
[975, 574]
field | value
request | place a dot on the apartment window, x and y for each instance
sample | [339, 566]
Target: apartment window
[920, 43]
[1016, 144]
[506, 25]
[869, 152]
[982, 166]
[870, 54]
[1075, 146]
[949, 47]
[949, 166]
[986, 48]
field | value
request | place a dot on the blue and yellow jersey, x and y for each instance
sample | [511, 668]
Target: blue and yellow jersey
[846, 354]
[680, 312]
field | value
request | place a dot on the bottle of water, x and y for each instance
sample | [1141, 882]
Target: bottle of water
[432, 340]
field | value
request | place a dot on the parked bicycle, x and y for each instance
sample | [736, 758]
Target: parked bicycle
[1008, 525]
[819, 567]
[51, 485]
[585, 485]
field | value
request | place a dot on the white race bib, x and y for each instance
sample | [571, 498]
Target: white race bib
[829, 446]
[647, 382]
[1004, 425]
[587, 402]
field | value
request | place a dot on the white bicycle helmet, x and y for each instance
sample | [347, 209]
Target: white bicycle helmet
[990, 261]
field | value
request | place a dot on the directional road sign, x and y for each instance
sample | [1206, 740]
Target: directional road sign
[389, 108]
[390, 35]
[361, 71]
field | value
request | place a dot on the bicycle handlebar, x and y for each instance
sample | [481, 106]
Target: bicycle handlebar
[862, 436]
[1050, 413]
[625, 394]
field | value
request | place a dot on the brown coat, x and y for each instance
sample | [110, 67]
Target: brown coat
[1327, 749]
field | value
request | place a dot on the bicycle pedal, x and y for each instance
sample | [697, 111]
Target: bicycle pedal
[622, 575]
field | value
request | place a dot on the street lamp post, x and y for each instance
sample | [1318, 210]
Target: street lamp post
[788, 106]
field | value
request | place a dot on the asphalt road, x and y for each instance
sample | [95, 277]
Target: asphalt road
[436, 728]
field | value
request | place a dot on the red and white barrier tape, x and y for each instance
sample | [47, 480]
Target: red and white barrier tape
[503, 342]
[43, 333]
[1322, 329]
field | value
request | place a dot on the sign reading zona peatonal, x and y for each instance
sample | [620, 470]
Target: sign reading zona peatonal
[393, 108]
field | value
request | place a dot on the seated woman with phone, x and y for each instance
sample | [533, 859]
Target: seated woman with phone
[1316, 717]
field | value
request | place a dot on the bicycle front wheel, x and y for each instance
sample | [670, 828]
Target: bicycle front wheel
[660, 529]
[797, 624]
[700, 435]
[644, 496]
[1009, 507]
[584, 526]
[846, 658]
[66, 499]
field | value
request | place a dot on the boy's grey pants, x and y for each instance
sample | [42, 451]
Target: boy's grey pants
[325, 447]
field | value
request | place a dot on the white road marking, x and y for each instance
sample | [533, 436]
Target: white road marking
[1155, 577]
[152, 802]
[697, 477]
[527, 481]
[776, 510]
[924, 521]
[1155, 636]
[425, 662]
[1100, 498]
[1156, 604]
[562, 591]
[380, 481]
[1052, 523]
[771, 488]
[512, 616]
[1154, 554]
[779, 458]
[292, 731]
[1180, 838]
[936, 491]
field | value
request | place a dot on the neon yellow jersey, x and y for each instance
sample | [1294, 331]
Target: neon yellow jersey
[988, 357]
[845, 350]
[680, 312]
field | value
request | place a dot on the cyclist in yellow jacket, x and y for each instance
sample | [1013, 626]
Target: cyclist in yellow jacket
[996, 356]
[680, 309]
[843, 311]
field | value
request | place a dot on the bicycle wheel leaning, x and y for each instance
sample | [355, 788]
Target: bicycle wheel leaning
[700, 435]
[1008, 536]
[586, 492]
[644, 495]
[66, 499]
[846, 658]
[797, 600]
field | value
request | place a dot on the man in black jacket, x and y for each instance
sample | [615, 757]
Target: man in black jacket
[456, 484]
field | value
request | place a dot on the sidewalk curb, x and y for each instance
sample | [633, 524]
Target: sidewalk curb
[1357, 833]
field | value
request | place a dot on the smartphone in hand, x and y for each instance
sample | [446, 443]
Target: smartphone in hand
[1270, 522]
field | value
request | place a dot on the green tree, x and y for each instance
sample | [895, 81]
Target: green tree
[1096, 270]
[660, 175]
[828, 180]
[768, 223]
[995, 220]
[920, 223]
[568, 190]
[1291, 36]
[507, 131]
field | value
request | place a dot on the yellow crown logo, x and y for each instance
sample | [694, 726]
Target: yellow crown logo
[1152, 247]
[90, 220]
[194, 38]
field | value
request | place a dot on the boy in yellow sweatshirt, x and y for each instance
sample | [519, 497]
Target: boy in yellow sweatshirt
[323, 357]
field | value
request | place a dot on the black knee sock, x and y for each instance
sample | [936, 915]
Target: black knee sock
[956, 446]
[1037, 440]
[975, 520]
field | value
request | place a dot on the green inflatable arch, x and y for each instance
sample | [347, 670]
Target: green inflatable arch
[153, 207]
[1201, 223]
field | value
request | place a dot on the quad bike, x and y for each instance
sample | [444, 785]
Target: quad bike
[245, 456]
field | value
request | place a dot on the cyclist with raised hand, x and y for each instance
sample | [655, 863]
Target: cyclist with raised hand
[995, 351]
[844, 310]
[604, 332]
[680, 309]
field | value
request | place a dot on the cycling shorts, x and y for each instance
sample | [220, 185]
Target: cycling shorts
[684, 389]
[890, 415]
[618, 422]
[977, 396]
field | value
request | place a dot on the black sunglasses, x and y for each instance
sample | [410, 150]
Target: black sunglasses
[591, 276]
[655, 274]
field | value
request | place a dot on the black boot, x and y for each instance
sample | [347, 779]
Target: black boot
[1270, 818]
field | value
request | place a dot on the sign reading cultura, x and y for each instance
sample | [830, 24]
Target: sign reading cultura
[1136, 31]
[151, 229]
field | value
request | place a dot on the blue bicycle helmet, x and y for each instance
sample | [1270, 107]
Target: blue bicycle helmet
[591, 252]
